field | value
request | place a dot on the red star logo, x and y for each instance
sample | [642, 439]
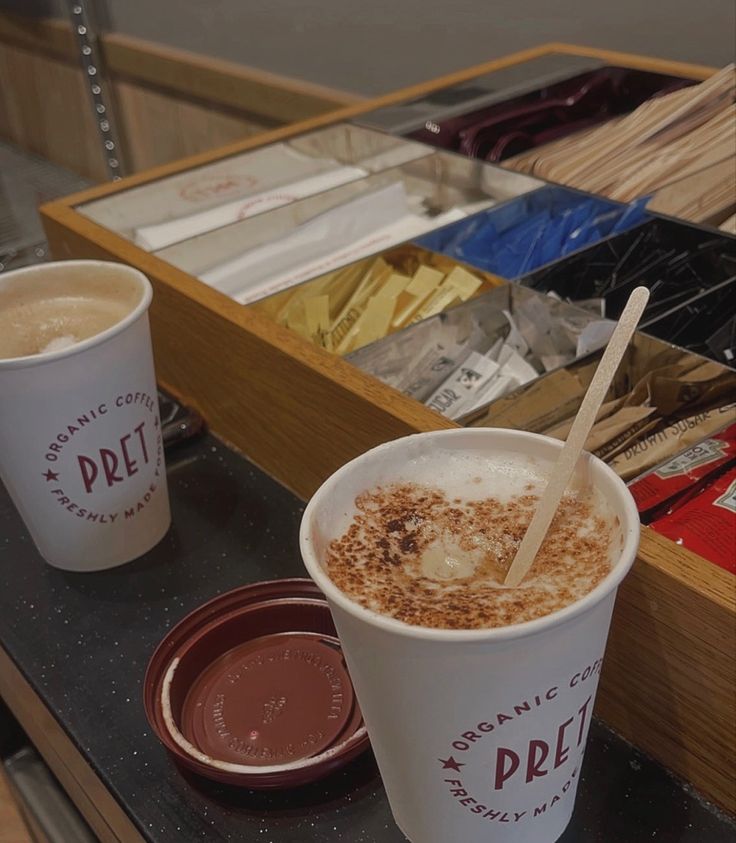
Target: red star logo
[51, 475]
[451, 764]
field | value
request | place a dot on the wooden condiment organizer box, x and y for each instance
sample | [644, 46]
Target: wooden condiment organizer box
[300, 413]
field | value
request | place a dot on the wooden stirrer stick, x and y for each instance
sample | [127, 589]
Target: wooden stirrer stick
[565, 466]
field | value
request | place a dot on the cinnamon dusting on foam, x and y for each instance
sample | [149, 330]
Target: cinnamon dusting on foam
[417, 555]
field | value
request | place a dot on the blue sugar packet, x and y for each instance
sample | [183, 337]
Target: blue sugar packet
[538, 228]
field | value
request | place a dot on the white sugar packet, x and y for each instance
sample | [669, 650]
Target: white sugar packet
[480, 379]
[460, 388]
[594, 335]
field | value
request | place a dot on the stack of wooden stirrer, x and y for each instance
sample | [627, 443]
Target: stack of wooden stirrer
[705, 197]
[665, 140]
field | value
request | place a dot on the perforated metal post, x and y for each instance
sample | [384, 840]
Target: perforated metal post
[83, 19]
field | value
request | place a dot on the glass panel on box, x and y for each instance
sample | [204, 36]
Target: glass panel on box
[462, 359]
[662, 399]
[533, 230]
[690, 271]
[201, 199]
[269, 252]
[478, 92]
[513, 110]
[365, 301]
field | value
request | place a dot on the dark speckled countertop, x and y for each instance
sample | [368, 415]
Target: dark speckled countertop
[83, 642]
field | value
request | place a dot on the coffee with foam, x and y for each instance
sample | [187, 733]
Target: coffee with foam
[432, 548]
[46, 313]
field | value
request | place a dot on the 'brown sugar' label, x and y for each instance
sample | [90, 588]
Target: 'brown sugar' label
[663, 486]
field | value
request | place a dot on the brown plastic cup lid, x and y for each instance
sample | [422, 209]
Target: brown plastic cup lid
[272, 700]
[251, 689]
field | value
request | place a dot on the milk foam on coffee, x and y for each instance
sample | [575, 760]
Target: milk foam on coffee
[40, 315]
[432, 548]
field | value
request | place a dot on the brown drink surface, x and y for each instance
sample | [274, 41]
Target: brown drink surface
[62, 307]
[415, 554]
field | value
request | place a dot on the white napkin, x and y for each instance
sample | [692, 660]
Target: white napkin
[365, 225]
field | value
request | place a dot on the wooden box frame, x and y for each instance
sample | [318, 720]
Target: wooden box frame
[300, 412]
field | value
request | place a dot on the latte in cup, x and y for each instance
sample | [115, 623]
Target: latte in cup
[47, 313]
[435, 552]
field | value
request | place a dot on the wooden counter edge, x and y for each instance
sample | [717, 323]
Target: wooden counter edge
[14, 825]
[95, 802]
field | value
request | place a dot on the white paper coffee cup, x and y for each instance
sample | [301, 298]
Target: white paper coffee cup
[479, 734]
[81, 450]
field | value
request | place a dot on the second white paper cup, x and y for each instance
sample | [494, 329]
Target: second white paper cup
[479, 735]
[81, 451]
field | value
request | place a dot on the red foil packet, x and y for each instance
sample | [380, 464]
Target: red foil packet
[706, 524]
[671, 483]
